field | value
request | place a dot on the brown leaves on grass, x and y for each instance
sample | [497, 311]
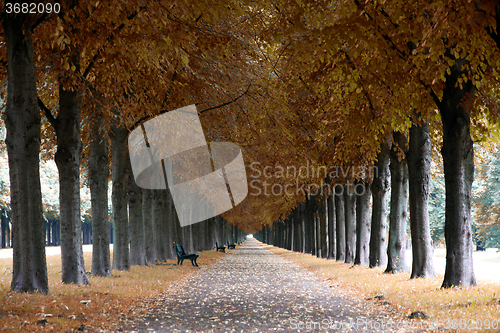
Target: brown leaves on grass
[106, 304]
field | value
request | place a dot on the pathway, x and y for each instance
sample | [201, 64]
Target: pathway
[254, 290]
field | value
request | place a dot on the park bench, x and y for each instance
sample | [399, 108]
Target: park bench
[220, 248]
[181, 255]
[231, 245]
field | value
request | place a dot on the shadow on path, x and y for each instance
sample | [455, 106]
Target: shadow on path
[254, 290]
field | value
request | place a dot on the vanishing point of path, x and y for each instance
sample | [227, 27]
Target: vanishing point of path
[254, 290]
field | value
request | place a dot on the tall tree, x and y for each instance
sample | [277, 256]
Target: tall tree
[350, 224]
[136, 224]
[98, 179]
[380, 193]
[340, 223]
[67, 157]
[22, 119]
[363, 224]
[398, 218]
[419, 165]
[147, 218]
[121, 254]
[458, 160]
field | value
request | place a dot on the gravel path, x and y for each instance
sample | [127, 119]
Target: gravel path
[254, 290]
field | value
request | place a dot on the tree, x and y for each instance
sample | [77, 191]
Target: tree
[419, 164]
[396, 248]
[458, 160]
[350, 223]
[363, 225]
[22, 119]
[380, 191]
[98, 178]
[121, 254]
[147, 218]
[136, 224]
[340, 224]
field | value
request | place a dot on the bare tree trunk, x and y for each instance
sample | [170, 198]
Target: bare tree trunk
[350, 224]
[121, 254]
[171, 227]
[98, 178]
[147, 217]
[136, 224]
[22, 119]
[396, 249]
[332, 237]
[322, 228]
[160, 224]
[340, 224]
[458, 158]
[380, 192]
[419, 169]
[68, 154]
[363, 226]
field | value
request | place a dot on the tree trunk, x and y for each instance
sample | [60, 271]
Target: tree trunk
[160, 224]
[147, 217]
[68, 154]
[340, 223]
[398, 219]
[458, 158]
[22, 120]
[98, 179]
[380, 193]
[332, 237]
[419, 170]
[136, 225]
[350, 224]
[363, 226]
[121, 254]
[171, 228]
[322, 228]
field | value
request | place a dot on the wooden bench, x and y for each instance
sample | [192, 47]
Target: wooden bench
[181, 255]
[231, 245]
[220, 248]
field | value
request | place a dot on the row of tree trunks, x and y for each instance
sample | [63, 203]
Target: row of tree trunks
[348, 234]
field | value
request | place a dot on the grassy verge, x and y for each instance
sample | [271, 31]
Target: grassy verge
[102, 305]
[469, 309]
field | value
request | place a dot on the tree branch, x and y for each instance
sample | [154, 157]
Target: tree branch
[50, 117]
[229, 102]
[109, 39]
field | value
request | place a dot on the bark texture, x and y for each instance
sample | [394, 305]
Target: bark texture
[332, 243]
[419, 169]
[398, 219]
[22, 120]
[380, 194]
[67, 157]
[363, 226]
[121, 254]
[350, 224]
[147, 218]
[160, 224]
[136, 224]
[98, 179]
[322, 228]
[458, 159]
[340, 223]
